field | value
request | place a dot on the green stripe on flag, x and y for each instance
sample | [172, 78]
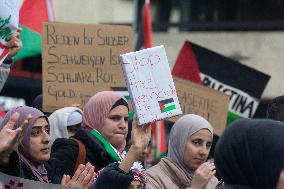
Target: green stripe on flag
[169, 108]
[232, 117]
[127, 97]
[32, 42]
[131, 115]
[163, 154]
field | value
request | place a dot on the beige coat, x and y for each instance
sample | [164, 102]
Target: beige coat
[166, 175]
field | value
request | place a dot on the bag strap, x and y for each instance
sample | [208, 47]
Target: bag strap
[81, 153]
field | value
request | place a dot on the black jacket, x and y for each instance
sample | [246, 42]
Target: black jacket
[250, 153]
[64, 154]
[18, 168]
[26, 172]
[13, 167]
[113, 177]
[234, 187]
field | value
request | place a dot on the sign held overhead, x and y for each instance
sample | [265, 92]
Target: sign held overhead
[150, 84]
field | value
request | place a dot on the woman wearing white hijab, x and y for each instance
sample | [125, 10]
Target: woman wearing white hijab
[65, 122]
[185, 165]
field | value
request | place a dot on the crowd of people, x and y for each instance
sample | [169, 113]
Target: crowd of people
[99, 147]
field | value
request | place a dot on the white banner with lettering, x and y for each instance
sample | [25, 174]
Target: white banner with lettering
[10, 182]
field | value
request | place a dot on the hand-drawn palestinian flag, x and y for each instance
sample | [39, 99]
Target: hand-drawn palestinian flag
[167, 105]
[32, 14]
[245, 85]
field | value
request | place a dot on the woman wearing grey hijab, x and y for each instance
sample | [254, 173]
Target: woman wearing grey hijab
[185, 165]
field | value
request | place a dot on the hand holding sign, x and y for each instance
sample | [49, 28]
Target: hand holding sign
[14, 44]
[9, 20]
[140, 138]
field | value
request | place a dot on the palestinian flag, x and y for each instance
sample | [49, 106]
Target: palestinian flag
[26, 76]
[32, 14]
[122, 91]
[142, 25]
[245, 85]
[147, 25]
[167, 105]
[159, 139]
[144, 39]
[9, 20]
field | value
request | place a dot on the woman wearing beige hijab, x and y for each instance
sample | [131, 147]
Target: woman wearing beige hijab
[185, 165]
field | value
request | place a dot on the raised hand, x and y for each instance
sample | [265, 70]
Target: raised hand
[10, 138]
[14, 44]
[140, 136]
[82, 178]
[202, 175]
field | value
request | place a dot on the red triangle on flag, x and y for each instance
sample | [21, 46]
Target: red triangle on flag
[33, 13]
[3, 51]
[186, 65]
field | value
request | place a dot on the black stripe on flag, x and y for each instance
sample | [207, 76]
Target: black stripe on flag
[119, 88]
[166, 101]
[230, 72]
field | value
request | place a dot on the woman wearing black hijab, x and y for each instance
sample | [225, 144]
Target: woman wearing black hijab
[250, 154]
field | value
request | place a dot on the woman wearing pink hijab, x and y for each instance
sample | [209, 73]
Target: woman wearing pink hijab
[107, 114]
[105, 126]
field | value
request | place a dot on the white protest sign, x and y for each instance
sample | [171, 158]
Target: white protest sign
[3, 52]
[9, 21]
[150, 84]
[7, 182]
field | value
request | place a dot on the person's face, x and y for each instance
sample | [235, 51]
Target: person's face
[280, 184]
[40, 141]
[115, 126]
[145, 154]
[135, 185]
[72, 129]
[197, 148]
